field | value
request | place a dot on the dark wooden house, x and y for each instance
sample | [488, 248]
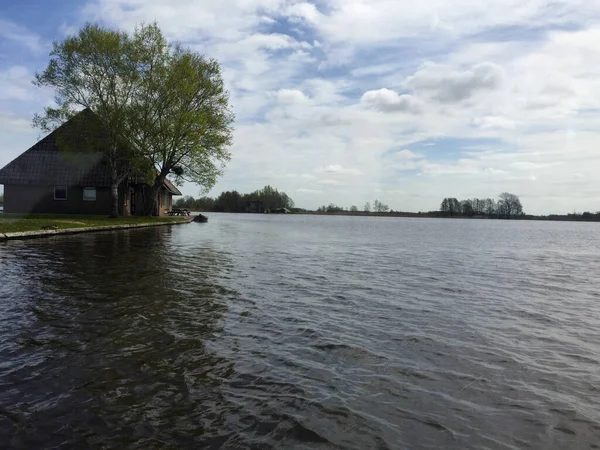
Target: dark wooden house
[48, 179]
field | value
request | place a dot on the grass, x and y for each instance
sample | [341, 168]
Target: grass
[10, 223]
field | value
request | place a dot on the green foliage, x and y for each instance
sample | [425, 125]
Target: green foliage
[508, 206]
[161, 107]
[99, 69]
[180, 115]
[261, 200]
[199, 204]
[270, 198]
[332, 208]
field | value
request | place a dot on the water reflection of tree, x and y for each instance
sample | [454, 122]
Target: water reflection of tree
[117, 344]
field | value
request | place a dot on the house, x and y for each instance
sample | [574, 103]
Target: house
[253, 207]
[49, 179]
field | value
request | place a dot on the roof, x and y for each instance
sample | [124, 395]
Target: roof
[47, 162]
[172, 188]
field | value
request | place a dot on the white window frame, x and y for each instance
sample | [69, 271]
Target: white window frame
[66, 192]
[89, 199]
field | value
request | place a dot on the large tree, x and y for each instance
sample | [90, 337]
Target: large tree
[163, 108]
[96, 69]
[181, 118]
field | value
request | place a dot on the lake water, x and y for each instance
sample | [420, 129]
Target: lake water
[304, 332]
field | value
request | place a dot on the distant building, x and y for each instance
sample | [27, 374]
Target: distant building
[254, 207]
[48, 179]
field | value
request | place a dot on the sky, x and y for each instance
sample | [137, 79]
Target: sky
[348, 101]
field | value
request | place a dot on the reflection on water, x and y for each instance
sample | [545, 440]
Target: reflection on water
[108, 332]
[303, 332]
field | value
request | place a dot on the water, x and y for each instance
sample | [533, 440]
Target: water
[304, 332]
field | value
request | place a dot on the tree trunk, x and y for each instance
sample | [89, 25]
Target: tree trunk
[152, 203]
[114, 190]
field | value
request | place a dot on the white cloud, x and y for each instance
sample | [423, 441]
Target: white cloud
[386, 100]
[291, 96]
[21, 36]
[445, 85]
[338, 170]
[15, 84]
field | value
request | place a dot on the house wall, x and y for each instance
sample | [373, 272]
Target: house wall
[40, 199]
[142, 194]
[165, 202]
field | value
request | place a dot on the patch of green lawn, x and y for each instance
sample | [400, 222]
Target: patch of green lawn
[10, 223]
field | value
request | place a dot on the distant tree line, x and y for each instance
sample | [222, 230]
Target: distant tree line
[507, 206]
[378, 207]
[266, 199]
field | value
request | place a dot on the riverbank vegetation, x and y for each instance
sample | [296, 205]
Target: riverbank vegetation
[508, 206]
[263, 200]
[11, 223]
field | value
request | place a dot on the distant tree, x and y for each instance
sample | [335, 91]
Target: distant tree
[334, 208]
[454, 207]
[353, 208]
[490, 207]
[195, 204]
[229, 201]
[445, 206]
[367, 207]
[509, 205]
[466, 208]
[380, 207]
[2, 198]
[270, 198]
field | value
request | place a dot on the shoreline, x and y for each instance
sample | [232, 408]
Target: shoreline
[36, 234]
[527, 217]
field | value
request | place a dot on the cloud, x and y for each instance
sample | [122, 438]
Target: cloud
[10, 122]
[329, 182]
[339, 170]
[368, 22]
[309, 191]
[15, 84]
[443, 84]
[389, 101]
[291, 96]
[22, 37]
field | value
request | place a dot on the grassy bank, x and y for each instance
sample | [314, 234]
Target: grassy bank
[10, 223]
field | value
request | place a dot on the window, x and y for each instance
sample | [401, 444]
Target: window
[60, 193]
[89, 194]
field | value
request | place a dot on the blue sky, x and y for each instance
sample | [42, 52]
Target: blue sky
[348, 101]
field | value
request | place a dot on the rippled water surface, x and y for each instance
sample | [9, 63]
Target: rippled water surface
[304, 332]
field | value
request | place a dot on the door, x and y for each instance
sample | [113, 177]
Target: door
[132, 204]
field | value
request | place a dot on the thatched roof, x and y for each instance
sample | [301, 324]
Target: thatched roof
[49, 162]
[57, 160]
[172, 188]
